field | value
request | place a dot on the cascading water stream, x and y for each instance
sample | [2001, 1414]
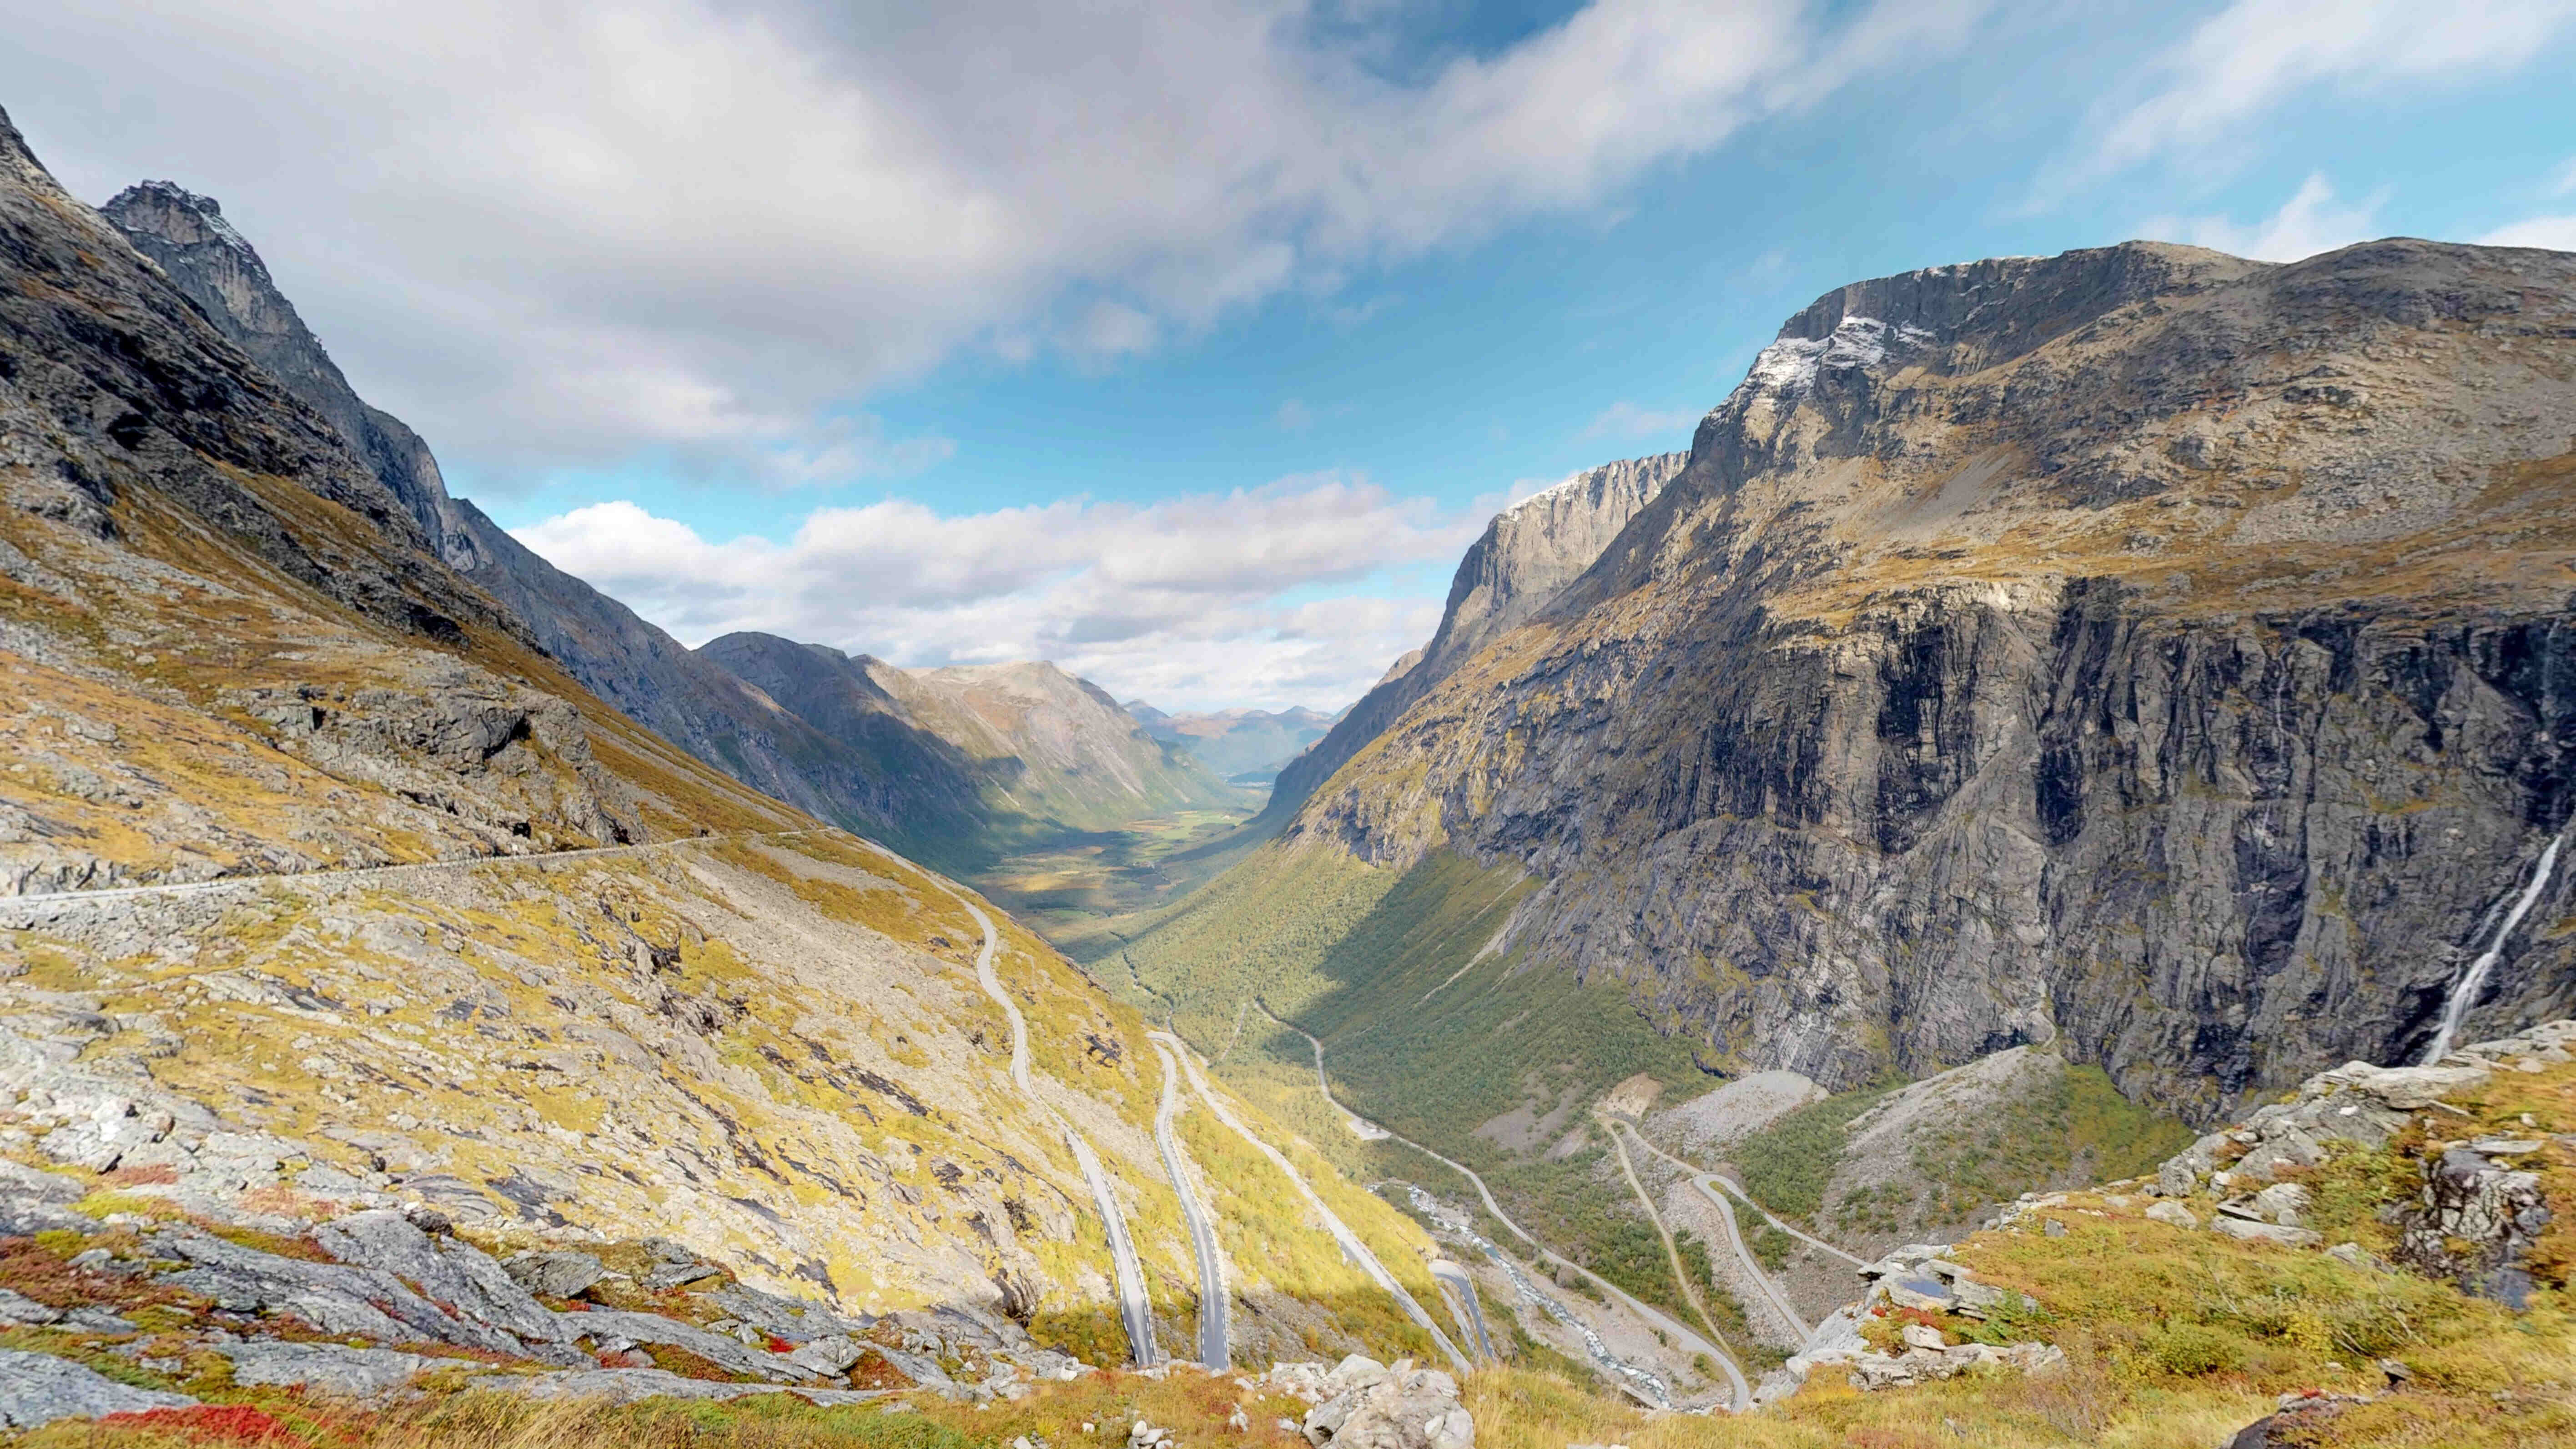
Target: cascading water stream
[2464, 992]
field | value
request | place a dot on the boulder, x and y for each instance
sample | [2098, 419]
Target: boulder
[37, 1388]
[2405, 1089]
[604, 1324]
[1398, 1407]
[2283, 1146]
[555, 1274]
[17, 1310]
[2283, 1202]
[447, 1271]
[614, 1386]
[829, 1357]
[2248, 1230]
[2174, 1213]
[357, 1373]
[2474, 1223]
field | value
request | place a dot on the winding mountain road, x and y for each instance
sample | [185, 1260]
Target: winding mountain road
[1771, 1294]
[1672, 1251]
[1352, 1248]
[46, 905]
[1212, 1299]
[1673, 1328]
[1470, 1309]
[1135, 1310]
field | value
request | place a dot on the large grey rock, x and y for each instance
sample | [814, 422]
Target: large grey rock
[2250, 1230]
[615, 1386]
[37, 1388]
[331, 1368]
[2406, 1088]
[793, 1319]
[447, 1271]
[1398, 1407]
[2475, 1223]
[337, 1298]
[554, 1274]
[17, 1310]
[827, 1357]
[604, 1324]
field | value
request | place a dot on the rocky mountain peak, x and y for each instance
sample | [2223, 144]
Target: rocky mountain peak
[1525, 560]
[217, 268]
[182, 217]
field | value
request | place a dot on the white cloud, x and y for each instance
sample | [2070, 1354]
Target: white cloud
[551, 233]
[2254, 54]
[1624, 419]
[2311, 221]
[1266, 596]
[2556, 233]
[2566, 181]
[1294, 416]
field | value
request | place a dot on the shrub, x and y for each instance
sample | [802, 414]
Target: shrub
[2192, 1350]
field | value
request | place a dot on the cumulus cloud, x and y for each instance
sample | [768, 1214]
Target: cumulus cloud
[550, 234]
[1293, 592]
[2311, 221]
[2254, 54]
[1624, 419]
[2556, 233]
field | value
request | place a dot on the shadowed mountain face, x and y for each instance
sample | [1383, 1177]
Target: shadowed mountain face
[2142, 649]
[1527, 556]
[824, 739]
[1015, 751]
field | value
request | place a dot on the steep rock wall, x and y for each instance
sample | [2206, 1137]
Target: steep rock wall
[2142, 649]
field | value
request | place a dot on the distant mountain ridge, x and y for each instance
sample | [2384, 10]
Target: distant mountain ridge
[861, 760]
[1247, 746]
[1013, 750]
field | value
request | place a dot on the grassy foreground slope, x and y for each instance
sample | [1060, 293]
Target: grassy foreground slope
[2176, 1338]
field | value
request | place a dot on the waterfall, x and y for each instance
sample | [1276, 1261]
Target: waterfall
[2464, 992]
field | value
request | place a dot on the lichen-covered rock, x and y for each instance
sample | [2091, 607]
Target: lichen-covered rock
[331, 1368]
[36, 1389]
[446, 1270]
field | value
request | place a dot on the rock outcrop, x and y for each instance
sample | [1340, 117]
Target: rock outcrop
[2141, 649]
[1360, 1403]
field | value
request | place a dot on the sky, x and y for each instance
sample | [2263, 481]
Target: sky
[1187, 343]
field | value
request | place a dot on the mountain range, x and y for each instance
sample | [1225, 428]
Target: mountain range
[1246, 746]
[2056, 801]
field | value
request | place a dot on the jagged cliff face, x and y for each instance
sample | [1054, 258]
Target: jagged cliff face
[1528, 554]
[2143, 649]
